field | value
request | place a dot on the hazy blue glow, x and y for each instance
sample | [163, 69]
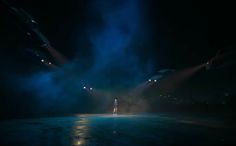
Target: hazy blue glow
[116, 66]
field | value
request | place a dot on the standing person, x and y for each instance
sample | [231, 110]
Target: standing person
[115, 106]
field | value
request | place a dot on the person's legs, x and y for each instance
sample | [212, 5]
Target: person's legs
[115, 110]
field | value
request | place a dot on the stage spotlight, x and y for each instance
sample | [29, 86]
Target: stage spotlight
[84, 87]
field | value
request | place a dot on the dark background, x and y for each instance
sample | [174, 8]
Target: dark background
[180, 34]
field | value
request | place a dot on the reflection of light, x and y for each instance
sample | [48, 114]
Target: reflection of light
[80, 127]
[79, 143]
[80, 131]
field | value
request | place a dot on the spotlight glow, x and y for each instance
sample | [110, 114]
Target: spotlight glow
[84, 87]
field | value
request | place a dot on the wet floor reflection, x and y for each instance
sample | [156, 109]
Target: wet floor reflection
[88, 132]
[119, 130]
[81, 132]
[114, 127]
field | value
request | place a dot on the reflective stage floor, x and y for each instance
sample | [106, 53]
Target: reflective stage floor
[117, 130]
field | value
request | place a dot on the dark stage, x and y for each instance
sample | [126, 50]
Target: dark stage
[118, 130]
[165, 69]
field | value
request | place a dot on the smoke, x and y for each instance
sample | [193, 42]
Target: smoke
[116, 64]
[113, 42]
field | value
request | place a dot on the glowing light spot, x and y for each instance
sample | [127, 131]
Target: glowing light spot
[155, 80]
[90, 88]
[79, 142]
[49, 63]
[42, 60]
[84, 87]
[149, 80]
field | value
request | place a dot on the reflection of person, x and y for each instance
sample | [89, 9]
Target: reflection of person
[115, 108]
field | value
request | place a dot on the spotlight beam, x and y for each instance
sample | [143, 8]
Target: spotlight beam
[56, 55]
